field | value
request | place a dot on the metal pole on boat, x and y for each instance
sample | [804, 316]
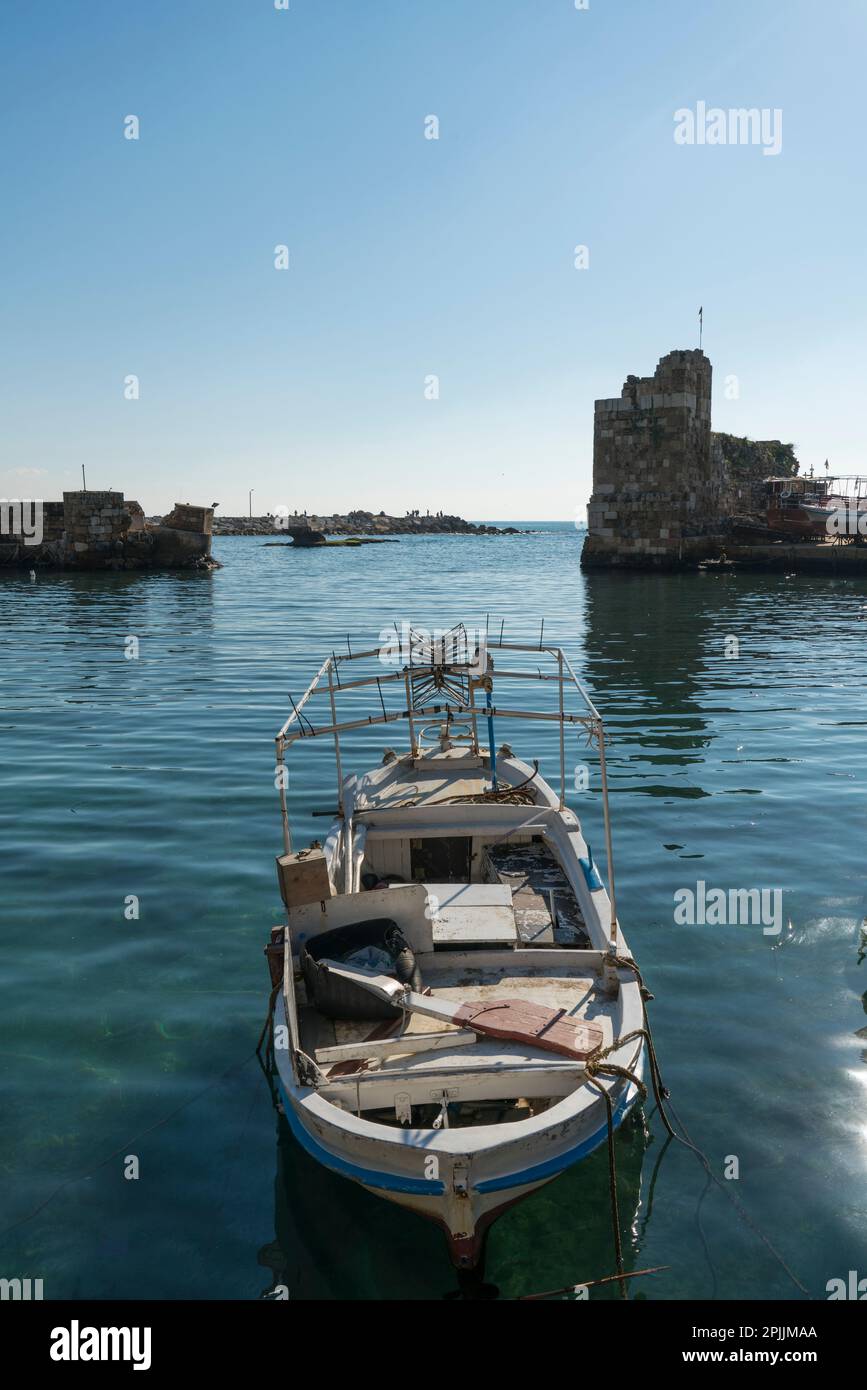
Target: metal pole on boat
[600, 734]
[562, 736]
[284, 809]
[336, 742]
[491, 745]
[473, 720]
[412, 744]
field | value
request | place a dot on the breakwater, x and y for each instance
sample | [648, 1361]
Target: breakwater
[356, 523]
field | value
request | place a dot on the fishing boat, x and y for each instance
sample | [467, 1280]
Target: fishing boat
[456, 1016]
[838, 513]
[807, 508]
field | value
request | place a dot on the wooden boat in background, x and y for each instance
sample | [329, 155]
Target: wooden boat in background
[457, 1017]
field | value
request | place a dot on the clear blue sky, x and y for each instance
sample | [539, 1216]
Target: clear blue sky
[409, 256]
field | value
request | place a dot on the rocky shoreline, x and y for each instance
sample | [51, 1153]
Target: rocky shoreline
[356, 523]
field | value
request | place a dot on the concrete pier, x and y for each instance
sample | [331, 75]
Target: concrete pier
[819, 557]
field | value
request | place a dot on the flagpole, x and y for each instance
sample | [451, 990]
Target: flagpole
[700, 326]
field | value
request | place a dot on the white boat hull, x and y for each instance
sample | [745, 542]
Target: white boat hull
[461, 1178]
[517, 1029]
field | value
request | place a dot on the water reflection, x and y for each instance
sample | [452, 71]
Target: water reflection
[334, 1240]
[158, 781]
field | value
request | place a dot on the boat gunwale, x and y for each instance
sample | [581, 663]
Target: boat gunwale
[484, 1138]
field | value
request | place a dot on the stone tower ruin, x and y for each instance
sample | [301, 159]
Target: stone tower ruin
[658, 482]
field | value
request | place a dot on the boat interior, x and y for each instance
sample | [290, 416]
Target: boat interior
[459, 865]
[441, 788]
[425, 1073]
[481, 896]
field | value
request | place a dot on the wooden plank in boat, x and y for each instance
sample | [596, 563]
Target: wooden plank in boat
[517, 1020]
[353, 1062]
[520, 1020]
[468, 1078]
[398, 1046]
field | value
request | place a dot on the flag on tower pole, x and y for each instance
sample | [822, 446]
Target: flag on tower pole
[700, 326]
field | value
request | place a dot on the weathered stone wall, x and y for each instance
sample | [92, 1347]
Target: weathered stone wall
[184, 517]
[137, 517]
[94, 521]
[99, 530]
[744, 463]
[657, 482]
[177, 548]
[53, 521]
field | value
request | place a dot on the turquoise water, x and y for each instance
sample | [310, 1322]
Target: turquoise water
[153, 777]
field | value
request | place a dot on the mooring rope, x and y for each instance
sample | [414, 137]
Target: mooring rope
[663, 1097]
[612, 1188]
[596, 1067]
[589, 1284]
[268, 1028]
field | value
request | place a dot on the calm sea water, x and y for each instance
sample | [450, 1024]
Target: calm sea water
[153, 777]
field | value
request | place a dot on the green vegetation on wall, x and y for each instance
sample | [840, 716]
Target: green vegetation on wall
[749, 460]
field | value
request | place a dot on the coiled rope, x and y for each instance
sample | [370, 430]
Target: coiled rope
[521, 794]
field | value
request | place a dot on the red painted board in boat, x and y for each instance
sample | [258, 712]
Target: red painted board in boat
[518, 1020]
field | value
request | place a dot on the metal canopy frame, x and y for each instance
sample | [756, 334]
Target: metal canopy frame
[432, 668]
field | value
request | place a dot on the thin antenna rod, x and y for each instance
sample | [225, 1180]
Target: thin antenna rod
[336, 744]
[302, 718]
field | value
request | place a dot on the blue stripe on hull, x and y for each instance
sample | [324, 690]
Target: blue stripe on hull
[390, 1182]
[552, 1166]
[395, 1182]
